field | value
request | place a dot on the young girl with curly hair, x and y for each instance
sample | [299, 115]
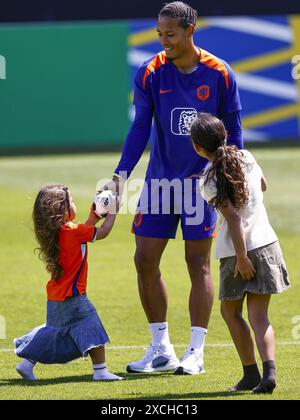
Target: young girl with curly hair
[73, 328]
[251, 262]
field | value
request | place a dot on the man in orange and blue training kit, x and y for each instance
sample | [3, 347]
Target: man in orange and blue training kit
[171, 88]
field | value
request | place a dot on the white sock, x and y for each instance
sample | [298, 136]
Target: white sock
[102, 374]
[197, 341]
[25, 369]
[160, 333]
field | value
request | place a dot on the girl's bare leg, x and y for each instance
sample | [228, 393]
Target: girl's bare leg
[258, 306]
[232, 312]
[97, 355]
[100, 372]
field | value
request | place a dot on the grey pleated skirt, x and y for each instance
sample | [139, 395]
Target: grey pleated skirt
[271, 274]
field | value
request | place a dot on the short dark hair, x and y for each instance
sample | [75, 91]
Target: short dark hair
[178, 9]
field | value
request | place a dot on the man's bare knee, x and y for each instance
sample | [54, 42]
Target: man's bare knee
[145, 262]
[198, 263]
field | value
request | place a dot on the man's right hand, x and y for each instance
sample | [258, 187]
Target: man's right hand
[116, 185]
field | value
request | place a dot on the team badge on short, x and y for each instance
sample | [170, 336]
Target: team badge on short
[203, 92]
[138, 219]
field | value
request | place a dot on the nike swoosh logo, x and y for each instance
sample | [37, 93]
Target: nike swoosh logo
[164, 91]
[160, 362]
[209, 228]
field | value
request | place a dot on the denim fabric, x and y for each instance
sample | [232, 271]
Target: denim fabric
[73, 327]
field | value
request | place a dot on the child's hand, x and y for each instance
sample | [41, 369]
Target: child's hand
[93, 217]
[245, 267]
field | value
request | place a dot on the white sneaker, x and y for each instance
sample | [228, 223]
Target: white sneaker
[191, 363]
[157, 359]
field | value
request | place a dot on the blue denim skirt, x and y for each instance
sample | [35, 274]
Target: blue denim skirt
[73, 328]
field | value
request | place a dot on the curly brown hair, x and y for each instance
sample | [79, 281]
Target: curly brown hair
[49, 214]
[226, 170]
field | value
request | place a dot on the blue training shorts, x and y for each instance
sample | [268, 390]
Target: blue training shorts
[162, 205]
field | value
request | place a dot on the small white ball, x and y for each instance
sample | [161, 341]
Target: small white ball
[105, 202]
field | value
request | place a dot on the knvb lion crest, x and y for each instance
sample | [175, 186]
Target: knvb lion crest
[203, 92]
[181, 120]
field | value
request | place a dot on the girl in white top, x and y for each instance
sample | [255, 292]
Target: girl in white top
[251, 262]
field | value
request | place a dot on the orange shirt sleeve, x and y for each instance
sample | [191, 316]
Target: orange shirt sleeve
[84, 233]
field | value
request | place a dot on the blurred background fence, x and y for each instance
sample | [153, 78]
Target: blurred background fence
[66, 73]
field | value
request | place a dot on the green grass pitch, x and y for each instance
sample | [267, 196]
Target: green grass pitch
[112, 288]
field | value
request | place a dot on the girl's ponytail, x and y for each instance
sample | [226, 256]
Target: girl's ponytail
[226, 170]
[228, 173]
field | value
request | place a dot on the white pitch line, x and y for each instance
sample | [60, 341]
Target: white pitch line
[175, 345]
[213, 345]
